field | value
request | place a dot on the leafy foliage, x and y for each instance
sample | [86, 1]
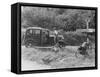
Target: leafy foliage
[67, 19]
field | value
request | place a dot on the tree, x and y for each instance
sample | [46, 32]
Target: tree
[67, 19]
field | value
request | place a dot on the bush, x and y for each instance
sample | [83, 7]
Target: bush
[76, 39]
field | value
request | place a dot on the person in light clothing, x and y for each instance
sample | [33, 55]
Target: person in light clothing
[83, 48]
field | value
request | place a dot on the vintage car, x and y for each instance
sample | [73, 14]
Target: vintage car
[36, 36]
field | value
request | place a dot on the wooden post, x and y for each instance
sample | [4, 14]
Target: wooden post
[87, 27]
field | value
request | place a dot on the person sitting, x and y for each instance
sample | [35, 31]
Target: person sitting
[83, 48]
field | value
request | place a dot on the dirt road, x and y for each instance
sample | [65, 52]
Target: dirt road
[32, 59]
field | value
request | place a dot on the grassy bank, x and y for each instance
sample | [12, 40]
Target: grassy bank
[75, 38]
